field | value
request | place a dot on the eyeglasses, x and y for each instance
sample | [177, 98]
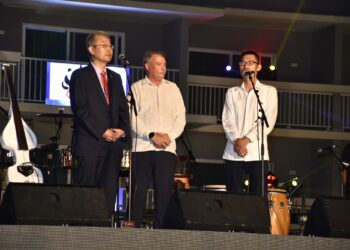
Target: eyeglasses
[249, 63]
[105, 46]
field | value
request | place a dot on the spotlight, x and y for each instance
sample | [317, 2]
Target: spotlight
[228, 68]
[272, 67]
[271, 73]
[294, 183]
[246, 182]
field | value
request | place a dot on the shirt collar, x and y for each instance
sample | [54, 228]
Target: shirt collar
[97, 69]
[258, 85]
[147, 81]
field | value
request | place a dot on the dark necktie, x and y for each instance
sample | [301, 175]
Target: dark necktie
[105, 85]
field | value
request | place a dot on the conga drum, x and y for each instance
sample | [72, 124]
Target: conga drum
[182, 181]
[279, 211]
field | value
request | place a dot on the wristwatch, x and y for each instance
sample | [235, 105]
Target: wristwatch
[150, 135]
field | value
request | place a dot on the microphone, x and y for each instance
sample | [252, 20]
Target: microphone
[247, 73]
[123, 59]
[326, 149]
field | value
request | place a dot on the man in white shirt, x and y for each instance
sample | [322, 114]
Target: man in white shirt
[160, 120]
[242, 127]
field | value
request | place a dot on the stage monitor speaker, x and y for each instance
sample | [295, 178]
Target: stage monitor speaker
[38, 204]
[329, 217]
[217, 211]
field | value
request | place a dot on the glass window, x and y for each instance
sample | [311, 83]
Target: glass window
[44, 43]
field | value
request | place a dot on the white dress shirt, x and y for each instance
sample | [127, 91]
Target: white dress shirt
[239, 119]
[159, 109]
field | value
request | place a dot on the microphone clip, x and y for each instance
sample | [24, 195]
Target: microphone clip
[124, 61]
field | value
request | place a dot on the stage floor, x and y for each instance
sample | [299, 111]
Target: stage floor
[60, 237]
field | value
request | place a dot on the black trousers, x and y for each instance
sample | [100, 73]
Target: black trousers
[159, 166]
[99, 171]
[236, 170]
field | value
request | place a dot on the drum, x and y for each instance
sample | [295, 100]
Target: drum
[182, 181]
[66, 155]
[279, 211]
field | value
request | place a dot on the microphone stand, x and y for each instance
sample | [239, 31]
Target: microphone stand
[262, 150]
[341, 166]
[192, 161]
[2, 157]
[132, 108]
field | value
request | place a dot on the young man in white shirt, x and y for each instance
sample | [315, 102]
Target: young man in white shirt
[240, 121]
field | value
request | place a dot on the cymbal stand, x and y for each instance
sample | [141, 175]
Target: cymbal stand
[341, 166]
[59, 123]
[53, 146]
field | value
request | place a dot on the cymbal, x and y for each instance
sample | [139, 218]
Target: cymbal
[55, 115]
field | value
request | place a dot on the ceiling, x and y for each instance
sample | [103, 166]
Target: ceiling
[162, 13]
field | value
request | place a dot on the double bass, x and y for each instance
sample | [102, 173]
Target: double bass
[19, 138]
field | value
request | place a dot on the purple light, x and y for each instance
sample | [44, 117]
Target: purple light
[228, 68]
[121, 7]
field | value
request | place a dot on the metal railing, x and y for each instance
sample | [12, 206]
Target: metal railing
[30, 79]
[300, 105]
[345, 100]
[312, 108]
[306, 110]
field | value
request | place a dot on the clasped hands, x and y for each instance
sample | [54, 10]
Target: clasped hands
[161, 140]
[240, 146]
[113, 134]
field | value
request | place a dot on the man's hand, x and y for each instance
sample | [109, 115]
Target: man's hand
[113, 134]
[161, 140]
[240, 146]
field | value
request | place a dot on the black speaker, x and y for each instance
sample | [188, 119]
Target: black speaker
[329, 217]
[217, 211]
[38, 204]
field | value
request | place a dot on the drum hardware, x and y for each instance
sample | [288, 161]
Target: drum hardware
[220, 188]
[187, 164]
[125, 163]
[53, 156]
[55, 162]
[67, 158]
[58, 117]
[181, 165]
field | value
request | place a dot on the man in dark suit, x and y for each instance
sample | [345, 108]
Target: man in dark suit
[101, 120]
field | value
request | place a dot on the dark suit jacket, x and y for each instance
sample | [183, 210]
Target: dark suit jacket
[92, 115]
